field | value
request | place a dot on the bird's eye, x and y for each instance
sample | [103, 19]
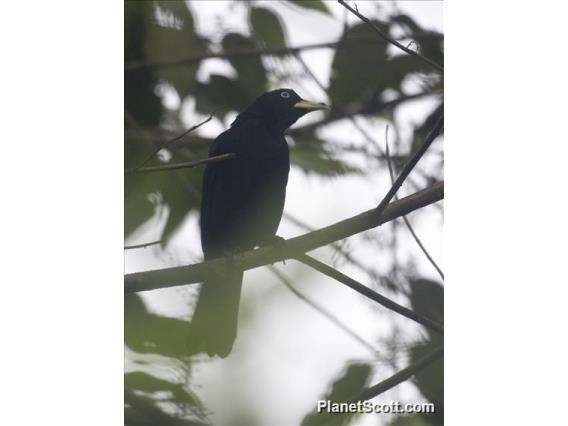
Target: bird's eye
[285, 95]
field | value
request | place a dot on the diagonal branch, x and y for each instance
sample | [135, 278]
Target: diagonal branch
[181, 275]
[329, 315]
[371, 294]
[144, 245]
[186, 165]
[389, 39]
[402, 375]
[165, 144]
[411, 163]
[239, 53]
[405, 219]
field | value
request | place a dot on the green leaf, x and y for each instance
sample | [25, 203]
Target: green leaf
[140, 99]
[181, 194]
[430, 380]
[179, 190]
[266, 27]
[147, 383]
[312, 4]
[358, 67]
[347, 387]
[251, 72]
[312, 158]
[172, 38]
[141, 410]
[220, 95]
[427, 298]
[149, 333]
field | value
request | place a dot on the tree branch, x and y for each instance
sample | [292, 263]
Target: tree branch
[402, 375]
[330, 316]
[371, 294]
[404, 218]
[144, 245]
[411, 163]
[390, 40]
[237, 53]
[165, 144]
[176, 166]
[181, 275]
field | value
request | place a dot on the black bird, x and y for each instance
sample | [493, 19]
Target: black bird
[242, 204]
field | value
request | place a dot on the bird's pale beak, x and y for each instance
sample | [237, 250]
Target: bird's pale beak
[312, 106]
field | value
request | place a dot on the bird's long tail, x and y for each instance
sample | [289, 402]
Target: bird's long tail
[214, 323]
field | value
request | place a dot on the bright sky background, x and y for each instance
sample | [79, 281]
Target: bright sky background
[319, 352]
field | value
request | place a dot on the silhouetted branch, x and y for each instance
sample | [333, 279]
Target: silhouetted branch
[181, 275]
[336, 321]
[153, 243]
[389, 39]
[351, 118]
[406, 221]
[411, 163]
[177, 166]
[237, 53]
[402, 375]
[165, 144]
[371, 294]
[337, 247]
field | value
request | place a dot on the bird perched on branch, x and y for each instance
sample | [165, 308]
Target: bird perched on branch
[242, 204]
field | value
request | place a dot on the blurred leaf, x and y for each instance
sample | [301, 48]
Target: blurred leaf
[358, 68]
[220, 95]
[140, 99]
[427, 298]
[312, 4]
[173, 37]
[347, 387]
[137, 208]
[266, 27]
[407, 23]
[430, 43]
[252, 76]
[430, 381]
[179, 190]
[422, 131]
[149, 333]
[312, 158]
[147, 383]
[181, 195]
[143, 411]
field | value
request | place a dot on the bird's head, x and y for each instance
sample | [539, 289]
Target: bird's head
[281, 108]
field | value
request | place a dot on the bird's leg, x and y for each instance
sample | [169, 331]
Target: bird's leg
[231, 256]
[279, 244]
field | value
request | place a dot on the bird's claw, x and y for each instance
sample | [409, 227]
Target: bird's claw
[280, 244]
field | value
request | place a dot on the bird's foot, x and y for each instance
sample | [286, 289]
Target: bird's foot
[231, 256]
[279, 244]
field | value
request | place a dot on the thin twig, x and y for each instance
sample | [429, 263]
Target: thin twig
[196, 273]
[165, 144]
[404, 218]
[402, 375]
[371, 294]
[324, 311]
[389, 39]
[236, 53]
[411, 163]
[177, 166]
[351, 118]
[337, 247]
[153, 243]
